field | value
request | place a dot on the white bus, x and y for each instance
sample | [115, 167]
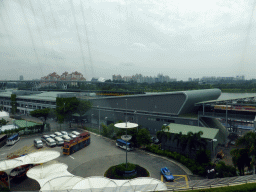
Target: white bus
[13, 139]
[122, 144]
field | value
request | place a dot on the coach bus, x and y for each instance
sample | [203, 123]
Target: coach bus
[3, 139]
[13, 139]
[122, 144]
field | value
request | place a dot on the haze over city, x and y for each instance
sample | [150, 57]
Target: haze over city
[98, 38]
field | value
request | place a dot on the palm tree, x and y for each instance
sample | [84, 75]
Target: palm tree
[192, 141]
[248, 141]
[161, 135]
[178, 138]
[165, 128]
[241, 159]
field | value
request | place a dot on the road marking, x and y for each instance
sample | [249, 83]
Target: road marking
[162, 178]
[178, 177]
[11, 147]
[71, 157]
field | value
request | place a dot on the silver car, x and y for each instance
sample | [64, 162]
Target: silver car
[64, 132]
[72, 136]
[38, 143]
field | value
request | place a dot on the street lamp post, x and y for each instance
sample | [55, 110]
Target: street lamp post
[26, 118]
[92, 117]
[99, 118]
[106, 119]
[213, 151]
[136, 119]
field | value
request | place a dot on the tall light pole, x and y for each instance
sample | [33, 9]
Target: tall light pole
[213, 151]
[99, 118]
[126, 132]
[26, 118]
[126, 115]
[136, 120]
[92, 117]
[106, 119]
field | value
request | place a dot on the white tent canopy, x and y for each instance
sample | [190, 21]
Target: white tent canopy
[46, 172]
[56, 177]
[32, 158]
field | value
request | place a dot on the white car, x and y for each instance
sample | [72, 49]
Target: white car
[52, 136]
[72, 136]
[64, 132]
[58, 134]
[75, 133]
[66, 138]
[50, 142]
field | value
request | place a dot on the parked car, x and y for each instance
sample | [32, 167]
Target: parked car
[59, 141]
[50, 142]
[75, 133]
[58, 134]
[44, 137]
[72, 136]
[64, 132]
[53, 136]
[38, 143]
[167, 174]
[66, 138]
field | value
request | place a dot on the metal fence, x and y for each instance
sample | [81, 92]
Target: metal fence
[211, 183]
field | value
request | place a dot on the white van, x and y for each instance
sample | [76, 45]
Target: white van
[50, 142]
[59, 141]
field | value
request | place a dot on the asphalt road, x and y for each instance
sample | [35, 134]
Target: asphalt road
[95, 159]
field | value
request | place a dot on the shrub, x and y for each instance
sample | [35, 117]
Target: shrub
[112, 172]
[224, 170]
[195, 167]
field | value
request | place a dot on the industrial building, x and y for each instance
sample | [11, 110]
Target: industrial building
[150, 110]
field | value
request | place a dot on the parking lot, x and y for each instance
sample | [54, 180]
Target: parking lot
[96, 158]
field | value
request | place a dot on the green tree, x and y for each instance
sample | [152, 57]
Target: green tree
[178, 138]
[105, 131]
[163, 134]
[241, 159]
[41, 113]
[203, 156]
[13, 104]
[65, 107]
[223, 170]
[3, 122]
[248, 142]
[143, 137]
[193, 141]
[83, 107]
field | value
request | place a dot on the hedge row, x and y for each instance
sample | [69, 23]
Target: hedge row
[250, 187]
[198, 169]
[113, 172]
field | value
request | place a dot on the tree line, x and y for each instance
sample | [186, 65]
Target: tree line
[65, 108]
[224, 86]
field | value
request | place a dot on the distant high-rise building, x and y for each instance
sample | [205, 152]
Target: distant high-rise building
[21, 78]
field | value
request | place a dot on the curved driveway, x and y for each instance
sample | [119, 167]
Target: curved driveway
[95, 159]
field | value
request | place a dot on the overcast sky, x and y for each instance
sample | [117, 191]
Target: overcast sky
[180, 38]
